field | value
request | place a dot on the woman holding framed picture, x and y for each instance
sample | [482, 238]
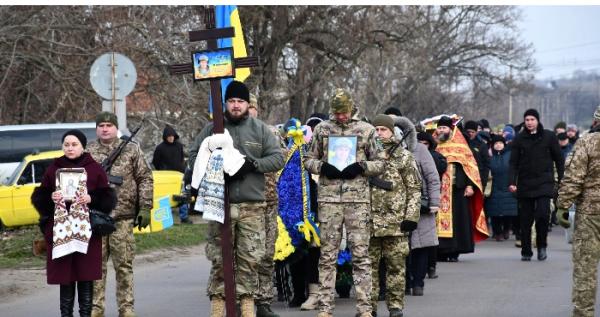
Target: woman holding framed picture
[72, 185]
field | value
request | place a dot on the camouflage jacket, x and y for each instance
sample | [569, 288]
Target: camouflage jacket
[367, 154]
[581, 183]
[403, 202]
[136, 173]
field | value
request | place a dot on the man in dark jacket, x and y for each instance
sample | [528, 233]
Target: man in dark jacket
[531, 177]
[479, 149]
[169, 156]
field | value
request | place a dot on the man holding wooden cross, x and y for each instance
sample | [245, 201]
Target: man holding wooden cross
[253, 139]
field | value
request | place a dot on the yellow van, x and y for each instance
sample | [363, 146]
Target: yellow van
[15, 190]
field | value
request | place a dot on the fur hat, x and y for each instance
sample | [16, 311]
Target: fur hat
[393, 110]
[497, 138]
[532, 112]
[384, 120]
[237, 89]
[341, 102]
[106, 116]
[78, 134]
[471, 125]
[445, 121]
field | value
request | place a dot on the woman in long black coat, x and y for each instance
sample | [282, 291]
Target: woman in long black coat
[76, 270]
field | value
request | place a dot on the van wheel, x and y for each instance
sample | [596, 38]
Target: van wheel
[1, 226]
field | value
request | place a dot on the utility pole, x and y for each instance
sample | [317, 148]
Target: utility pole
[510, 103]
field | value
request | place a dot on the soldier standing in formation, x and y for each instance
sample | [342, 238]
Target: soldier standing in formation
[581, 185]
[252, 138]
[137, 185]
[395, 206]
[344, 200]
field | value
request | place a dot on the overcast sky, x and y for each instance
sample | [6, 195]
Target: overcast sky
[565, 38]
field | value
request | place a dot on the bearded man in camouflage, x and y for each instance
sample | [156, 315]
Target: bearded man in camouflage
[581, 185]
[344, 200]
[395, 206]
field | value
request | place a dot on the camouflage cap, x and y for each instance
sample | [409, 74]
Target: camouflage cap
[106, 116]
[253, 102]
[341, 102]
[597, 114]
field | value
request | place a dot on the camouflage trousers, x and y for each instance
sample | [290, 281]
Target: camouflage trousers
[586, 254]
[248, 228]
[394, 250]
[355, 216]
[266, 265]
[120, 246]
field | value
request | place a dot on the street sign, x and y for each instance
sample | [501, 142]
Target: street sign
[113, 76]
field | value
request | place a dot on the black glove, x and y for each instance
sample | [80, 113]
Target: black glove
[352, 170]
[330, 171]
[408, 226]
[247, 168]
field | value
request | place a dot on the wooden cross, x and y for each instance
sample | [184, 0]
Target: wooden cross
[211, 34]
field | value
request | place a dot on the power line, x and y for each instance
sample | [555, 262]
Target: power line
[556, 49]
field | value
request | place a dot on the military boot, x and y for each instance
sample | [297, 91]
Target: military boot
[363, 315]
[96, 313]
[396, 312]
[128, 313]
[313, 298]
[264, 310]
[247, 306]
[217, 307]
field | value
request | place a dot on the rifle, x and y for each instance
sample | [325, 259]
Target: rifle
[108, 162]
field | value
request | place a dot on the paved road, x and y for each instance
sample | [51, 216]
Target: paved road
[491, 282]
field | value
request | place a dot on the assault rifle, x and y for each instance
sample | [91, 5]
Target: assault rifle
[112, 157]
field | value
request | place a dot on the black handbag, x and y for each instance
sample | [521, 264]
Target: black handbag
[101, 223]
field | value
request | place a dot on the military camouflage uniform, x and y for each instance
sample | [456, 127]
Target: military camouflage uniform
[344, 202]
[254, 139]
[581, 186]
[248, 221]
[388, 209]
[120, 245]
[266, 265]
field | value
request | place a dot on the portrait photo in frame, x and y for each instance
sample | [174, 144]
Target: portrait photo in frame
[67, 181]
[213, 64]
[341, 151]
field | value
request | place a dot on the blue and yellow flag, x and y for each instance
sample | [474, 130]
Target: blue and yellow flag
[228, 16]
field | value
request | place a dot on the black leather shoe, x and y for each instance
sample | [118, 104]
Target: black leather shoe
[525, 258]
[542, 254]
